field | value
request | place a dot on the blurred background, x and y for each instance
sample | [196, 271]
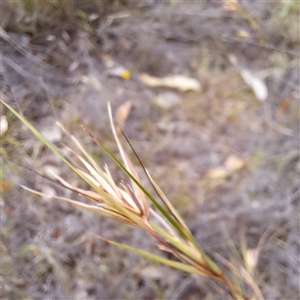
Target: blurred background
[208, 94]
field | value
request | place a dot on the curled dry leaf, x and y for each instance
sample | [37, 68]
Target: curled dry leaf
[218, 173]
[230, 5]
[123, 112]
[243, 34]
[234, 163]
[258, 86]
[179, 82]
[3, 125]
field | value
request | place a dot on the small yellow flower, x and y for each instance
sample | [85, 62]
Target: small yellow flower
[126, 75]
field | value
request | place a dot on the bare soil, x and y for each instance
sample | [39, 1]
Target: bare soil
[59, 73]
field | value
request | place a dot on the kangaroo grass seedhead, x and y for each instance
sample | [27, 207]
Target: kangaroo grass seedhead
[129, 202]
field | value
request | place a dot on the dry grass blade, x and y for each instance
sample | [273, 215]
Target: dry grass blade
[160, 208]
[178, 222]
[251, 256]
[111, 181]
[184, 229]
[129, 204]
[242, 273]
[89, 194]
[139, 194]
[95, 209]
[171, 263]
[108, 198]
[181, 245]
[81, 148]
[110, 187]
[156, 187]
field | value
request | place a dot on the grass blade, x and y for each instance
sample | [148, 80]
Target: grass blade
[170, 263]
[81, 148]
[158, 191]
[179, 244]
[95, 209]
[119, 207]
[128, 165]
[157, 205]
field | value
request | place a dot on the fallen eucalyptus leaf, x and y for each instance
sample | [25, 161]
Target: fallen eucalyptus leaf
[123, 112]
[234, 163]
[258, 86]
[230, 5]
[243, 34]
[179, 82]
[218, 173]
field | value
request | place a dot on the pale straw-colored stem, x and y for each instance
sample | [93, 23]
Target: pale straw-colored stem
[163, 222]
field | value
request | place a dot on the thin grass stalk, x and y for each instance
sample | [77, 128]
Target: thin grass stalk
[129, 205]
